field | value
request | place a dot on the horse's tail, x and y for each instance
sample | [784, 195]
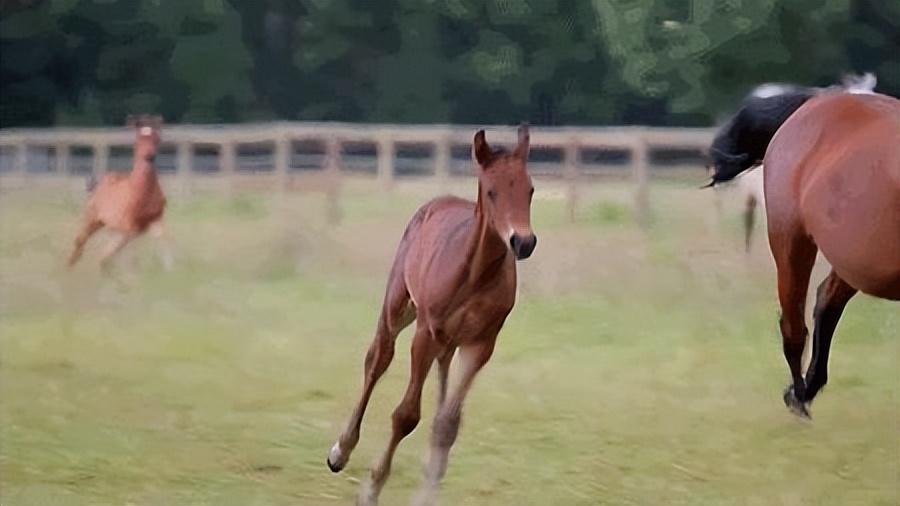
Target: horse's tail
[742, 142]
[859, 84]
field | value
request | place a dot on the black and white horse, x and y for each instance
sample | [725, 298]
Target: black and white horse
[741, 142]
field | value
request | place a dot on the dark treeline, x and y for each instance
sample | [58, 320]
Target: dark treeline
[552, 62]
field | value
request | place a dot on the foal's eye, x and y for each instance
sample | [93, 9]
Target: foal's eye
[492, 194]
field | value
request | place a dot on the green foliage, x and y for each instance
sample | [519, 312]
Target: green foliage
[499, 61]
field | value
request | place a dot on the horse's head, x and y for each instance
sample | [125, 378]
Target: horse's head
[147, 134]
[505, 191]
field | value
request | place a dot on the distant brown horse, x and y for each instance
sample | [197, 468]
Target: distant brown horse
[832, 184]
[127, 203]
[455, 275]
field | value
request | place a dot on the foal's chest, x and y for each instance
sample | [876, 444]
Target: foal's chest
[477, 314]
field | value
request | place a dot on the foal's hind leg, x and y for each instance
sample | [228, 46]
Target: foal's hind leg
[831, 298]
[794, 255]
[396, 314]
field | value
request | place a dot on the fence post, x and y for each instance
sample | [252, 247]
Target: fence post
[282, 161]
[227, 163]
[571, 172]
[640, 177]
[61, 151]
[184, 165]
[20, 163]
[332, 174]
[101, 159]
[442, 159]
[386, 161]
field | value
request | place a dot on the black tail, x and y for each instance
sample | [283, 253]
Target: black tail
[741, 143]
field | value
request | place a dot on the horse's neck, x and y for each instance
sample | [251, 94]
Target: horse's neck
[143, 172]
[486, 249]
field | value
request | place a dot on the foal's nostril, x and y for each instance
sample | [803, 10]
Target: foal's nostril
[523, 247]
[514, 243]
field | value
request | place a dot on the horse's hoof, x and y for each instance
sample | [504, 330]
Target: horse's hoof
[797, 407]
[335, 461]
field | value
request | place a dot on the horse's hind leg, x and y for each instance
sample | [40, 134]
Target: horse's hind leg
[831, 298]
[407, 414]
[88, 228]
[794, 255]
[396, 314]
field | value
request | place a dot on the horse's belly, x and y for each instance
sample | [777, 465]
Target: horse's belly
[859, 235]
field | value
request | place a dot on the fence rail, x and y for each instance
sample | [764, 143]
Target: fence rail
[332, 138]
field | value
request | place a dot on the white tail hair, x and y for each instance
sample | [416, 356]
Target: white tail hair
[860, 84]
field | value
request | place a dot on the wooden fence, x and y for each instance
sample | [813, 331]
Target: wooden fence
[442, 141]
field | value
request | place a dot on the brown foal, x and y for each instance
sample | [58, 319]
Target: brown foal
[455, 275]
[127, 203]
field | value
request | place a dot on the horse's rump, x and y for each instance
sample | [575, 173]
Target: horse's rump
[834, 170]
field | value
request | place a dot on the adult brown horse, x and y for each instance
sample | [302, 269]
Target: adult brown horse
[832, 184]
[455, 275]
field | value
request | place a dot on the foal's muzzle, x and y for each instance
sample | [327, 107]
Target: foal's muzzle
[522, 246]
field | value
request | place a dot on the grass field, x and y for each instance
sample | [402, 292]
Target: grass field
[639, 367]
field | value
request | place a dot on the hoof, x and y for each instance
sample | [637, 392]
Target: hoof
[800, 409]
[335, 461]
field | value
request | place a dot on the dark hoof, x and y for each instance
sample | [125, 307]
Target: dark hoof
[800, 409]
[334, 468]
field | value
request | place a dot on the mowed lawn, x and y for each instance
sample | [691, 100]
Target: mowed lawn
[639, 367]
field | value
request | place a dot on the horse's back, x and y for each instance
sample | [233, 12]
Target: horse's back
[833, 170]
[428, 228]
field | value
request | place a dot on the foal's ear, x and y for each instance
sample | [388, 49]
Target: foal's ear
[523, 147]
[480, 149]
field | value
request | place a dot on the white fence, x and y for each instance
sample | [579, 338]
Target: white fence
[331, 139]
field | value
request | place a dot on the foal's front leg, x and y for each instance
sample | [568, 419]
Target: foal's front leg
[407, 414]
[158, 231]
[113, 248]
[444, 360]
[447, 420]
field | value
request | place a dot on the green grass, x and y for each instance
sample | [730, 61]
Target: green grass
[638, 368]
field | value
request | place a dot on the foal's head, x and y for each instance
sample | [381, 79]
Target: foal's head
[147, 135]
[506, 191]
